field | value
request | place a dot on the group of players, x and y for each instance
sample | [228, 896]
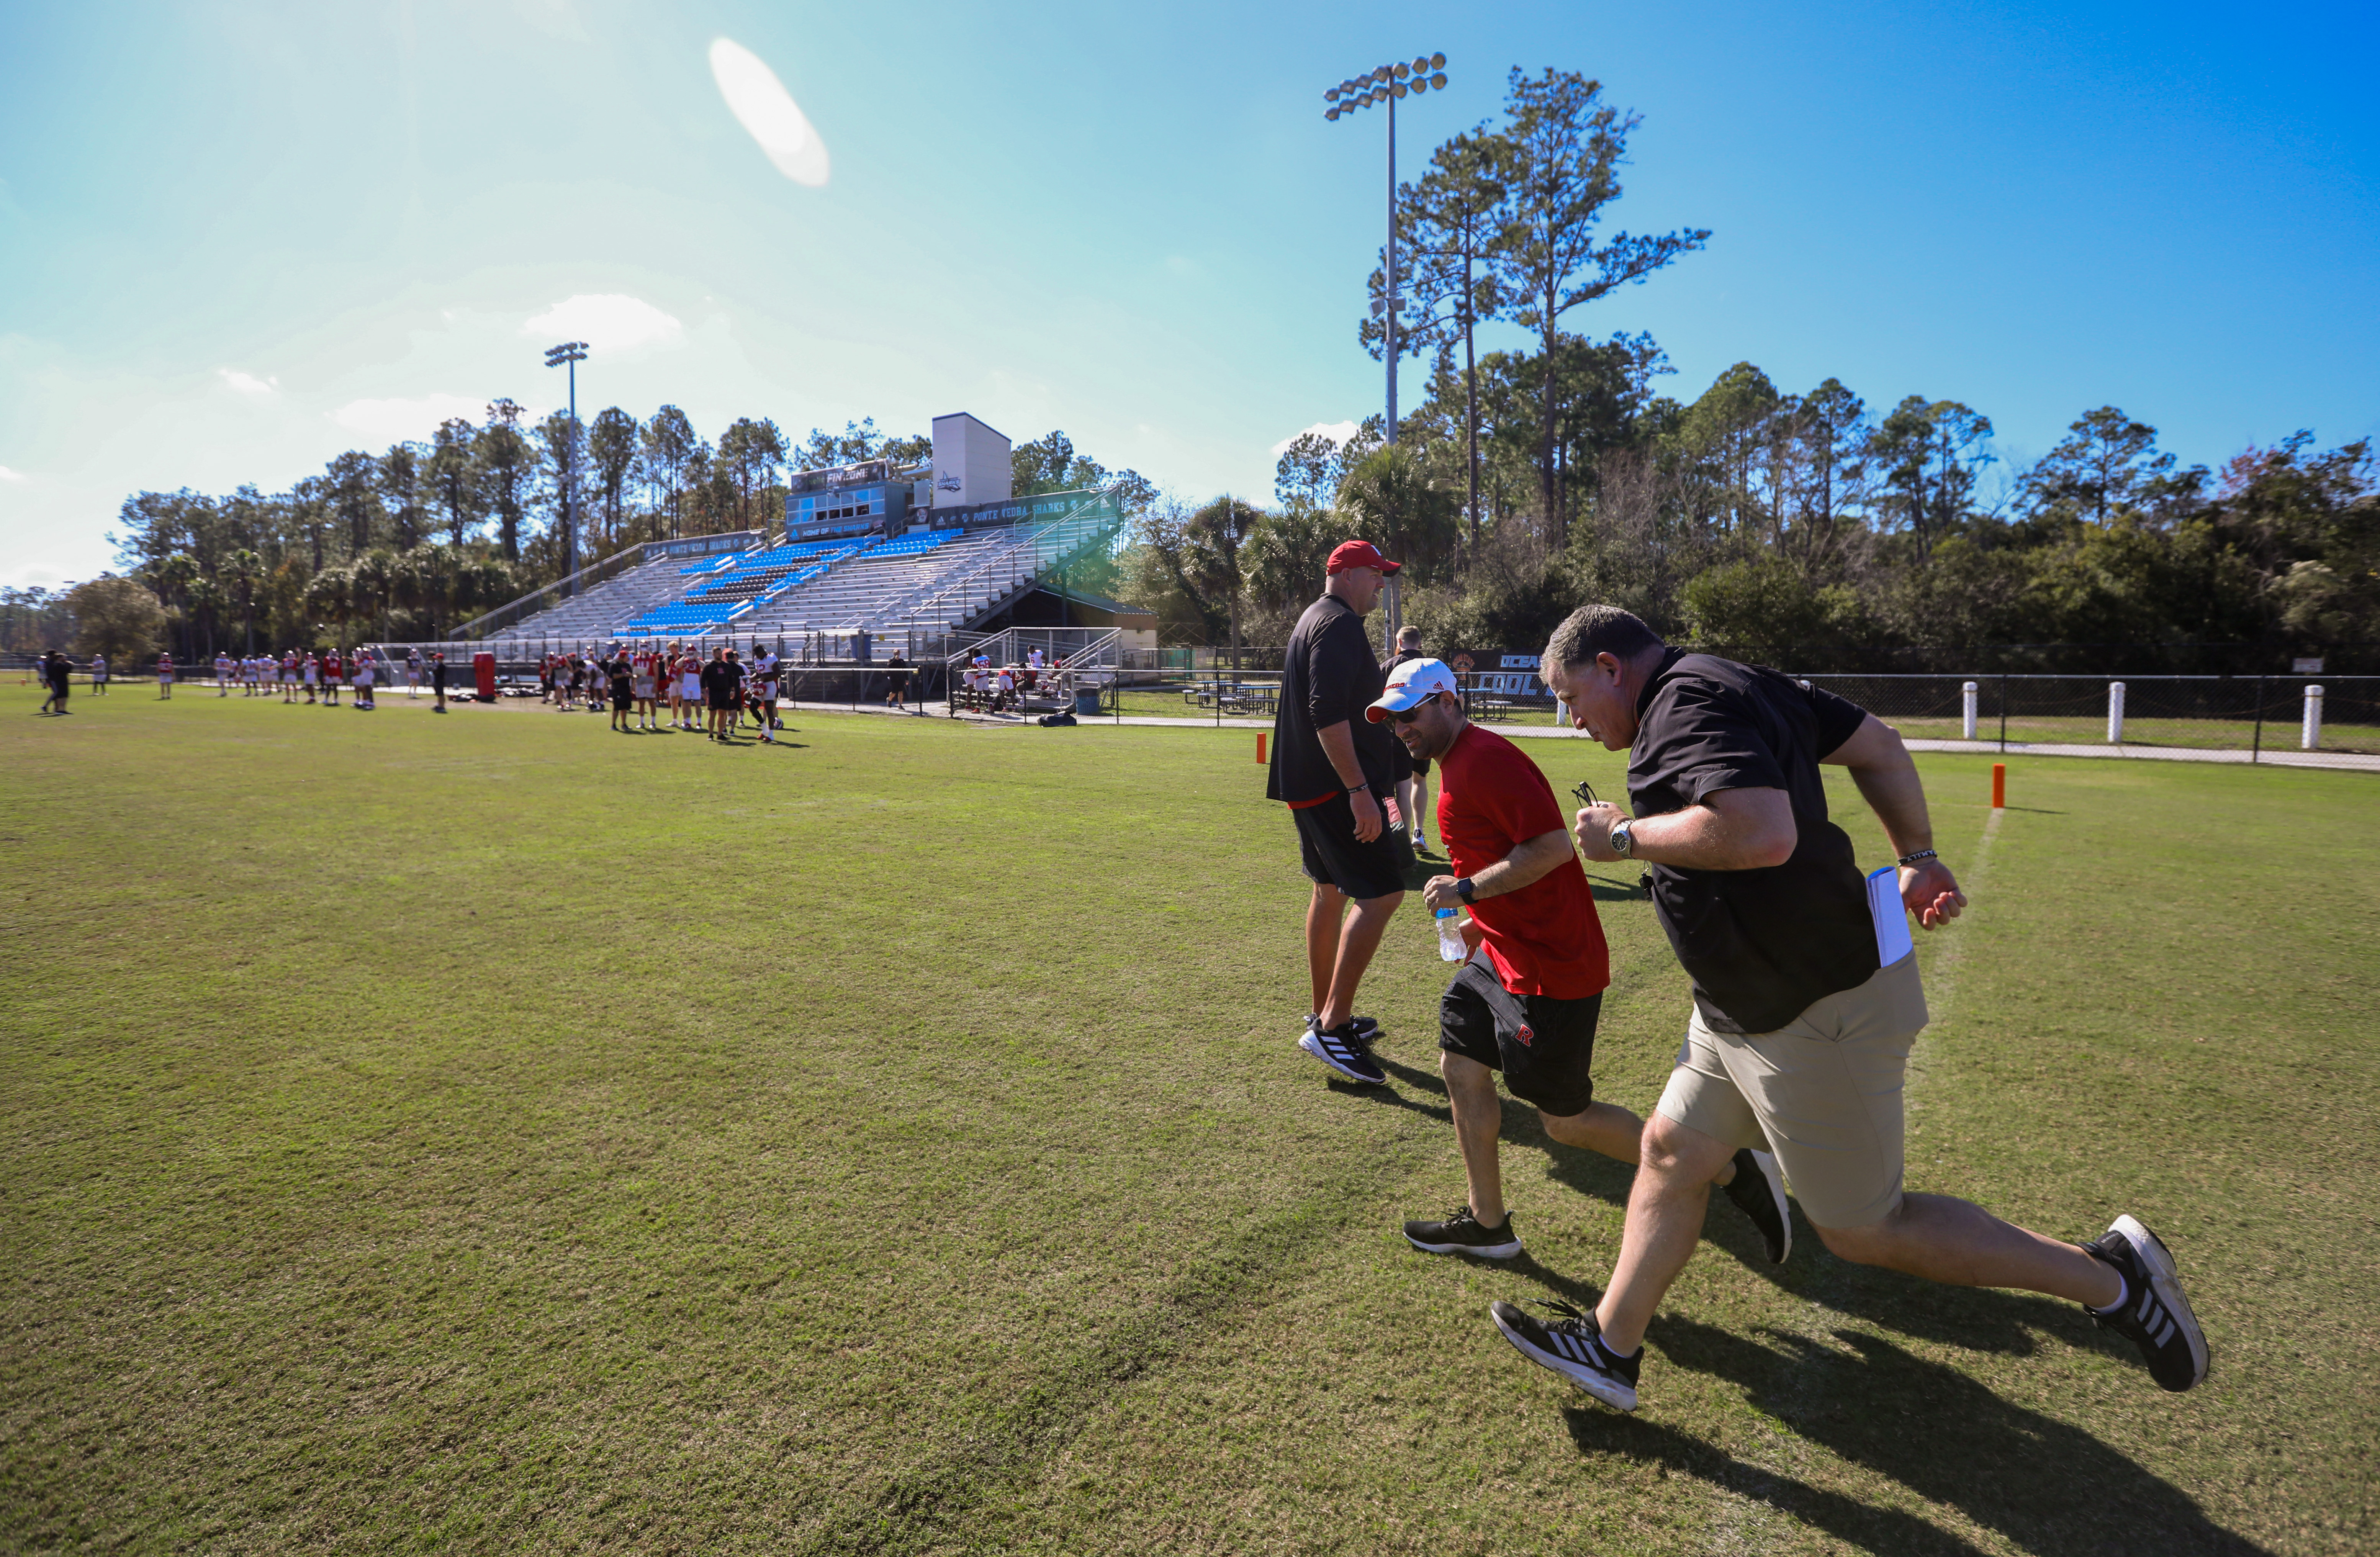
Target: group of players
[1806, 1000]
[319, 675]
[672, 688]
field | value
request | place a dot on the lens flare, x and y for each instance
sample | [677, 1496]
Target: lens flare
[762, 107]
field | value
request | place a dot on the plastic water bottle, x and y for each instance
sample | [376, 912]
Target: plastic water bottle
[1451, 944]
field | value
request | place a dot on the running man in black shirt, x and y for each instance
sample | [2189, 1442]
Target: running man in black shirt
[1330, 765]
[1798, 1039]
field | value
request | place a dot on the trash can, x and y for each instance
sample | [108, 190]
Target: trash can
[483, 675]
[1087, 700]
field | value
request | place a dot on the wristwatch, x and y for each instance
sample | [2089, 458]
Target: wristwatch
[1462, 890]
[1623, 843]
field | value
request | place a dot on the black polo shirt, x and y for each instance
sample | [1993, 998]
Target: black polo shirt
[1761, 945]
[1328, 675]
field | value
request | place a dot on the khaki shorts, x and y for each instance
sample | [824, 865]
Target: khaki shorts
[1824, 1091]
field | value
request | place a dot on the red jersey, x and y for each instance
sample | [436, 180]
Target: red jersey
[1545, 939]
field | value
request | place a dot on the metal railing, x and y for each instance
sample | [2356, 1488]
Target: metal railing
[1012, 565]
[554, 593]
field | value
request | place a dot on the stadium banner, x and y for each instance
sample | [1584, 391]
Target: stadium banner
[1498, 673]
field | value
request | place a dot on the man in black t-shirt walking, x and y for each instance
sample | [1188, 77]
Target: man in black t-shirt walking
[1801, 1031]
[1331, 766]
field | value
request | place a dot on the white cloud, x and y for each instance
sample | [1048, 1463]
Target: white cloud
[400, 420]
[606, 322]
[9, 475]
[1337, 432]
[248, 383]
[761, 106]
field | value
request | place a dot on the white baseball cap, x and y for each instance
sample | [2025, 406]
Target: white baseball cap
[1409, 683]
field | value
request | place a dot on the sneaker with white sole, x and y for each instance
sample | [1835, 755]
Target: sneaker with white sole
[1759, 1189]
[1346, 1052]
[1461, 1232]
[2153, 1314]
[1366, 1027]
[1573, 1346]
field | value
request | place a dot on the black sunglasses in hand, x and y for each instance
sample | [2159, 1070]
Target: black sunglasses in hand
[1584, 792]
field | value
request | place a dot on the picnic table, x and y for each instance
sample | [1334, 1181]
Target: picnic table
[1232, 697]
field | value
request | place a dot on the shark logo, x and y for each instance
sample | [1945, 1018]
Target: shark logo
[945, 482]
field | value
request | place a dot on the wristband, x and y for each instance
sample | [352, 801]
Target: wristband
[1359, 788]
[1914, 856]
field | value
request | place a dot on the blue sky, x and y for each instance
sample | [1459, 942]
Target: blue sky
[237, 238]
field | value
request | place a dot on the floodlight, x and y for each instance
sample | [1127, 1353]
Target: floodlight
[1421, 83]
[1438, 62]
[1330, 113]
[1403, 70]
[1398, 88]
[1421, 67]
[1438, 80]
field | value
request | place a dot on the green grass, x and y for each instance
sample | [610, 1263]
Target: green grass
[490, 1133]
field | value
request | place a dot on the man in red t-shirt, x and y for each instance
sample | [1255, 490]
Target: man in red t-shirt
[1528, 1000]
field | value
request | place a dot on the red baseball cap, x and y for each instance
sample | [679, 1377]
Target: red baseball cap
[1360, 553]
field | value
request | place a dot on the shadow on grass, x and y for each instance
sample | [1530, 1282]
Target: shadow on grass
[2045, 1486]
[1394, 1098]
[1992, 1320]
[1607, 889]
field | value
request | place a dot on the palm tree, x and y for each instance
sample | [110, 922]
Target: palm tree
[1392, 496]
[330, 597]
[174, 575]
[242, 568]
[375, 576]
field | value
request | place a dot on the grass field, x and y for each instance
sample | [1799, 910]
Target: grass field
[490, 1133]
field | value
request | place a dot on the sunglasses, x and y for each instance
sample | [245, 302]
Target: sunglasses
[1585, 792]
[1409, 715]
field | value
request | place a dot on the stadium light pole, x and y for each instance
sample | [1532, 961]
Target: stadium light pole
[1384, 85]
[571, 353]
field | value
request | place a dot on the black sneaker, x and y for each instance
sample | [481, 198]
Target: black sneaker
[1462, 1233]
[1366, 1027]
[1759, 1188]
[1572, 1346]
[2153, 1316]
[1344, 1051]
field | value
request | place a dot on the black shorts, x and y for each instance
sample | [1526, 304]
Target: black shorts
[723, 701]
[1331, 853]
[1544, 1046]
[621, 701]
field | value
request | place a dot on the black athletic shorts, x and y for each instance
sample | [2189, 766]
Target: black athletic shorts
[1326, 840]
[621, 701]
[1544, 1046]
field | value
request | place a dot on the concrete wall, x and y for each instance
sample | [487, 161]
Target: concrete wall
[970, 463]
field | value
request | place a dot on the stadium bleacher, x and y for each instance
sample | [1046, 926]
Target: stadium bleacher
[932, 580]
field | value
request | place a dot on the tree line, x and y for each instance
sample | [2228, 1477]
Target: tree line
[1803, 525]
[405, 544]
